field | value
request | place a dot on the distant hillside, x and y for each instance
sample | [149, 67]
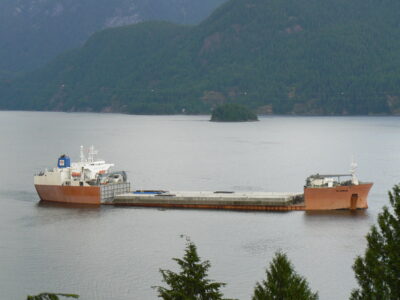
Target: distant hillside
[275, 56]
[33, 32]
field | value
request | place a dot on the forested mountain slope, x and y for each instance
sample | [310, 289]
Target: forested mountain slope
[275, 56]
[34, 31]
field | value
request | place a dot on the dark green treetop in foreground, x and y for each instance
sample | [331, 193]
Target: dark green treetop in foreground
[233, 113]
[283, 283]
[192, 282]
[378, 271]
[51, 296]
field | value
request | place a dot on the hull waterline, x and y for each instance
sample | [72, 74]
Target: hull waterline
[69, 194]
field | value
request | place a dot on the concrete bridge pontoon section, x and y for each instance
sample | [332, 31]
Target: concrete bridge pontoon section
[212, 200]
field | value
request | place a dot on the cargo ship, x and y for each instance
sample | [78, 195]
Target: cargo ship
[329, 192]
[88, 181]
[91, 182]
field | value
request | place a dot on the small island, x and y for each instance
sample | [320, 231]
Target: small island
[232, 113]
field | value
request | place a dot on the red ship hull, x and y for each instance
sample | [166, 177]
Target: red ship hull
[340, 197]
[69, 194]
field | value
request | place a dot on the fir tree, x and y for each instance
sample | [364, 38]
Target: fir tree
[283, 283]
[51, 296]
[192, 282]
[378, 272]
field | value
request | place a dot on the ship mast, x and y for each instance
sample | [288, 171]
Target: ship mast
[353, 167]
[82, 155]
[92, 154]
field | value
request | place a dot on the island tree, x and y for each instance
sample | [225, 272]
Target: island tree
[233, 113]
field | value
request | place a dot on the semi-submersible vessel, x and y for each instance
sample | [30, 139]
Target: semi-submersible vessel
[91, 181]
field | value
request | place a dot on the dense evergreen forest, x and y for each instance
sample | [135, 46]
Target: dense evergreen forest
[307, 57]
[34, 32]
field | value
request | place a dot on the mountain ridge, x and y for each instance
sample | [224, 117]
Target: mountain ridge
[32, 32]
[283, 57]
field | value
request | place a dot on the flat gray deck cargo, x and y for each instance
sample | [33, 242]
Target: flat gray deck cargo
[213, 200]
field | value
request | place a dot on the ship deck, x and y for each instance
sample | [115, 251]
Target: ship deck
[213, 200]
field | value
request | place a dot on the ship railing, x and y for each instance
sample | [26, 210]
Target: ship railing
[109, 191]
[334, 184]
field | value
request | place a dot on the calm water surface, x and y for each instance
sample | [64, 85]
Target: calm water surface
[115, 253]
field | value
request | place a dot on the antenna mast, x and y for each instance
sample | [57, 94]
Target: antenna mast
[82, 155]
[92, 154]
[353, 167]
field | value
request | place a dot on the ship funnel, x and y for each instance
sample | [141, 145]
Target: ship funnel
[63, 162]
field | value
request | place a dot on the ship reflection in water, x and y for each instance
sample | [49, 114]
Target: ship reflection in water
[337, 214]
[57, 205]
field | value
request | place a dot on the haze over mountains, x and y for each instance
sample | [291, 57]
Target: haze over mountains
[275, 56]
[34, 31]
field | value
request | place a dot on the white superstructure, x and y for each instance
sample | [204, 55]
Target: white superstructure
[87, 172]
